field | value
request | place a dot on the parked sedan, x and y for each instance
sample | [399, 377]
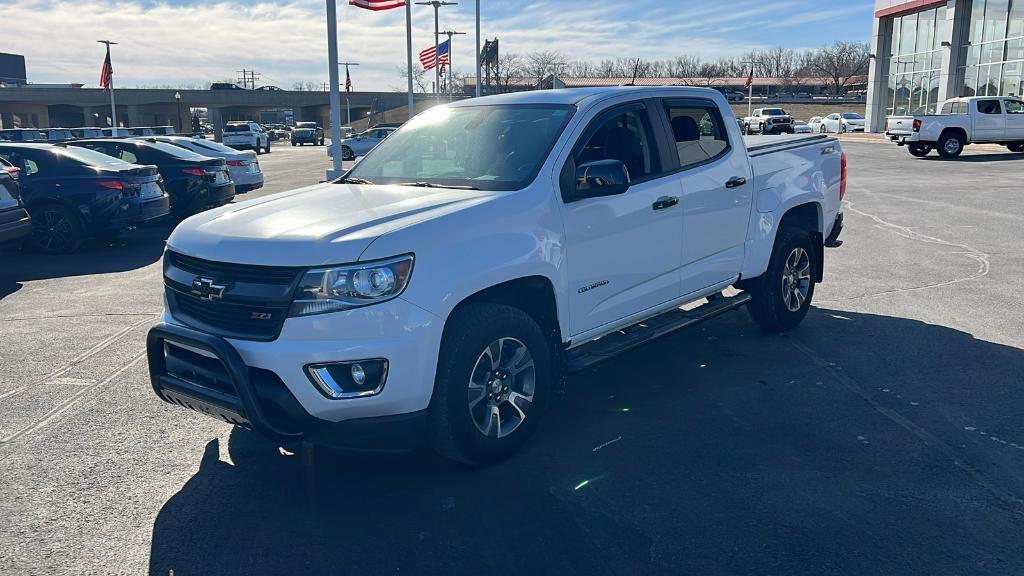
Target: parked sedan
[816, 125]
[194, 182]
[844, 122]
[360, 144]
[243, 166]
[801, 127]
[15, 222]
[73, 193]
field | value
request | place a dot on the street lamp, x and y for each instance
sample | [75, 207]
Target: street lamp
[177, 99]
[437, 4]
[451, 68]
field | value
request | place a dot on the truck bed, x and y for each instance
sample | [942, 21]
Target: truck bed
[758, 145]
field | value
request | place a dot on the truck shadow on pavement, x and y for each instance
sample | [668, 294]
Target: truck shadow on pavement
[135, 249]
[849, 444]
[978, 157]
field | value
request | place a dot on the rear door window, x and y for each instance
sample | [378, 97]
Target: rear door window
[989, 107]
[1014, 107]
[698, 131]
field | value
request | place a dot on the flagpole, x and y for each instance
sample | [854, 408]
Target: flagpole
[335, 99]
[477, 48]
[113, 107]
[408, 47]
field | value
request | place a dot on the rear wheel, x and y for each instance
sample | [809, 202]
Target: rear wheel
[55, 230]
[950, 145]
[782, 295]
[268, 146]
[1016, 147]
[919, 150]
[493, 377]
[294, 143]
[822, 129]
[346, 153]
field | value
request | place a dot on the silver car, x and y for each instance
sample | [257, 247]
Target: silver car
[243, 167]
[360, 144]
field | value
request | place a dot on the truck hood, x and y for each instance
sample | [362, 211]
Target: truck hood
[314, 226]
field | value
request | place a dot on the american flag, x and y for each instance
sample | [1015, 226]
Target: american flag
[348, 82]
[378, 4]
[107, 73]
[427, 56]
[750, 79]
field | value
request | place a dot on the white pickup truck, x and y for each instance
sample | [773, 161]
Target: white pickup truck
[768, 121]
[961, 121]
[442, 288]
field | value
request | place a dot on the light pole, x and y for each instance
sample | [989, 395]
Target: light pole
[335, 98]
[451, 68]
[348, 82]
[750, 89]
[177, 98]
[437, 4]
[477, 48]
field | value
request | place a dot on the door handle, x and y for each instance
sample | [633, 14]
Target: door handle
[665, 202]
[735, 182]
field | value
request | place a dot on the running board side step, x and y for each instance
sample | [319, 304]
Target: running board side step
[617, 342]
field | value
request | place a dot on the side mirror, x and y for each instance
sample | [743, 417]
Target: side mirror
[601, 178]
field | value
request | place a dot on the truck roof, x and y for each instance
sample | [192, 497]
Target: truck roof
[579, 95]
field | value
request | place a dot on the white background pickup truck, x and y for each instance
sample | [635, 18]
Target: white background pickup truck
[961, 121]
[442, 288]
[768, 121]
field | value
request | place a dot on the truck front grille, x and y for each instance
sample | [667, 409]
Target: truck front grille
[246, 301]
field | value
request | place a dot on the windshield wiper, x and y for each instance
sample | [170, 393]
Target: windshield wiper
[352, 180]
[432, 185]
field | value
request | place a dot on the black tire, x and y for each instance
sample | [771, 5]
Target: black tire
[919, 150]
[294, 143]
[1016, 147]
[821, 129]
[346, 153]
[760, 128]
[745, 129]
[470, 332]
[769, 306]
[55, 230]
[268, 146]
[950, 145]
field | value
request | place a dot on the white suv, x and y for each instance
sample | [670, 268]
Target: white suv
[246, 135]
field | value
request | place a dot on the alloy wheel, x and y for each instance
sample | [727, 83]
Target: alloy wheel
[796, 279]
[501, 387]
[53, 230]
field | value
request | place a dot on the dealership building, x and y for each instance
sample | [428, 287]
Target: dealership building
[925, 51]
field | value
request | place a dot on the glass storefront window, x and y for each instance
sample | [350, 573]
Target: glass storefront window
[917, 51]
[993, 63]
[1011, 83]
[908, 34]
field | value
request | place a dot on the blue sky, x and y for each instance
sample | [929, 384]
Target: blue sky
[192, 42]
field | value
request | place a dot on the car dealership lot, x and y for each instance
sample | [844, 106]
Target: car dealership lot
[885, 431]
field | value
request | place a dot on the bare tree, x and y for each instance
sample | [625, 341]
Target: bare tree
[510, 67]
[839, 63]
[544, 63]
[420, 83]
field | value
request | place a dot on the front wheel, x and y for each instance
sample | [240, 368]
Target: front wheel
[821, 129]
[347, 154]
[782, 296]
[919, 150]
[950, 145]
[493, 377]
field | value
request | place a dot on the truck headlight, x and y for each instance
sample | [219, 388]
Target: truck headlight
[337, 288]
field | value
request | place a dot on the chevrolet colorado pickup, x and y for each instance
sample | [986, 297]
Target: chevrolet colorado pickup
[961, 121]
[442, 288]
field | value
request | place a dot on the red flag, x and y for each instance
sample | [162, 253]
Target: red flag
[107, 73]
[750, 79]
[377, 4]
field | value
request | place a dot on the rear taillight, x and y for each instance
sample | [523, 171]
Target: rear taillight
[112, 184]
[14, 171]
[917, 125]
[194, 171]
[842, 176]
[238, 162]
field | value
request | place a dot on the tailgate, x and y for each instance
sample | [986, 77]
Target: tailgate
[900, 125]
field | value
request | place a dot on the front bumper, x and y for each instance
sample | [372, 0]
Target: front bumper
[265, 385]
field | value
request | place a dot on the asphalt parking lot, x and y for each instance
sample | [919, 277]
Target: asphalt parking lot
[883, 436]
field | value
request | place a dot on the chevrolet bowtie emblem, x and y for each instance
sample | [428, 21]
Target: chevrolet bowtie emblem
[207, 289]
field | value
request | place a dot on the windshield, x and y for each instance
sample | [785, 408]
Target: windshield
[91, 157]
[852, 116]
[177, 152]
[774, 112]
[486, 147]
[213, 146]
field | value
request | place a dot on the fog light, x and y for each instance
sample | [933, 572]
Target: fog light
[358, 375]
[357, 379]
